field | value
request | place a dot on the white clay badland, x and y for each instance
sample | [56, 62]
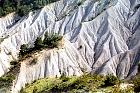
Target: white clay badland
[100, 36]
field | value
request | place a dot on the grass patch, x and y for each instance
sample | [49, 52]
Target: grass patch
[83, 84]
[65, 84]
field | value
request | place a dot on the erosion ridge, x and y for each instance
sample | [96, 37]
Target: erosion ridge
[100, 36]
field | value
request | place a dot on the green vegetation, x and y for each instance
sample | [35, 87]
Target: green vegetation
[6, 80]
[83, 84]
[50, 41]
[79, 3]
[136, 82]
[138, 67]
[13, 63]
[111, 80]
[72, 84]
[23, 49]
[38, 43]
[117, 89]
[21, 7]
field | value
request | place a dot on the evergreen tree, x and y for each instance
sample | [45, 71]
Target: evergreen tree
[23, 50]
[38, 43]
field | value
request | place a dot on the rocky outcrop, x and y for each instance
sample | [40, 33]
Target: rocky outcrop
[100, 36]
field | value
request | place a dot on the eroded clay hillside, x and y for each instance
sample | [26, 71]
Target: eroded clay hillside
[100, 36]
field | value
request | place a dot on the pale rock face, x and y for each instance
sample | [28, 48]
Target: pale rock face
[100, 36]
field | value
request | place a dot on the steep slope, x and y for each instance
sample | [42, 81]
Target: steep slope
[100, 36]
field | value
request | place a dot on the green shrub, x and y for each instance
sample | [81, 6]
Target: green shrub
[90, 82]
[139, 68]
[23, 50]
[23, 10]
[111, 80]
[13, 63]
[6, 80]
[50, 41]
[136, 82]
[38, 43]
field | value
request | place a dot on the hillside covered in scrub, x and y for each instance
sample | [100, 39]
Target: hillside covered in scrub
[21, 7]
[47, 39]
[84, 84]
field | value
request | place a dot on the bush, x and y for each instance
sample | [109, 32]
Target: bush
[139, 68]
[50, 41]
[23, 50]
[90, 82]
[136, 82]
[23, 10]
[13, 63]
[111, 80]
[6, 80]
[38, 43]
